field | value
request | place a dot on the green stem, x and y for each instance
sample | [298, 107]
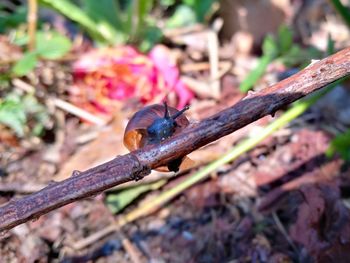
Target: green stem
[256, 73]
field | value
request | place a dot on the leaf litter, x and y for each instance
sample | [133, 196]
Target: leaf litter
[284, 201]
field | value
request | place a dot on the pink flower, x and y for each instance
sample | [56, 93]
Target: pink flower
[160, 56]
[103, 76]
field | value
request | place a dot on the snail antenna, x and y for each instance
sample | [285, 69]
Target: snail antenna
[177, 114]
[166, 111]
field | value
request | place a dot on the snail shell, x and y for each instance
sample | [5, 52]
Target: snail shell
[153, 124]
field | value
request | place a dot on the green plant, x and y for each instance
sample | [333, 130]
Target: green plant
[111, 21]
[341, 145]
[23, 114]
[188, 12]
[279, 48]
[49, 45]
[116, 202]
[11, 19]
[128, 21]
[201, 8]
[282, 48]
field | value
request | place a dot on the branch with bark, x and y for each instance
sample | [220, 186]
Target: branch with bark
[137, 164]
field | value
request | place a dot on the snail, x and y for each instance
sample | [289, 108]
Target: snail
[152, 125]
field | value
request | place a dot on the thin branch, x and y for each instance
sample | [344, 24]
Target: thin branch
[63, 105]
[137, 164]
[72, 109]
[32, 21]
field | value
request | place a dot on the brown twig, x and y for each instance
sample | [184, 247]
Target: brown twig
[137, 164]
[63, 105]
[134, 253]
[32, 21]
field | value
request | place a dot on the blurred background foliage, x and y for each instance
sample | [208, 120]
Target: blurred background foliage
[106, 22]
[121, 22]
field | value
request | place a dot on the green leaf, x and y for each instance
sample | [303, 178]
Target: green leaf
[135, 23]
[103, 10]
[270, 47]
[26, 64]
[49, 45]
[21, 39]
[117, 202]
[285, 39]
[270, 52]
[145, 7]
[108, 19]
[38, 129]
[52, 45]
[295, 56]
[202, 8]
[255, 74]
[13, 19]
[35, 112]
[183, 16]
[17, 112]
[97, 30]
[167, 3]
[12, 115]
[152, 35]
[31, 105]
[340, 144]
[128, 25]
[189, 2]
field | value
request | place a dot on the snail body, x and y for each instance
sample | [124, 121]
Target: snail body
[152, 125]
